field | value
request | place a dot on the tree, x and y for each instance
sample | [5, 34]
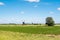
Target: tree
[49, 21]
[23, 22]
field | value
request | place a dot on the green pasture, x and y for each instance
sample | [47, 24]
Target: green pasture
[32, 29]
[29, 32]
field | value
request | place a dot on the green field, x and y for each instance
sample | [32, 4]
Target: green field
[32, 29]
[29, 32]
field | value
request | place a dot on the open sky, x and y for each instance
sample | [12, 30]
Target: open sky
[36, 11]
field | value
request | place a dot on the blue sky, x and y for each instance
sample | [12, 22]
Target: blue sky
[36, 11]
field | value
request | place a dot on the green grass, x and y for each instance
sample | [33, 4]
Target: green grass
[29, 32]
[32, 29]
[7, 35]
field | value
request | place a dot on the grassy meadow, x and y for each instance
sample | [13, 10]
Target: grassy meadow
[29, 32]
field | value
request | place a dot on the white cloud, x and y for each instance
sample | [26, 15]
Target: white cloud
[33, 0]
[51, 12]
[36, 6]
[1, 4]
[58, 9]
[46, 3]
[22, 12]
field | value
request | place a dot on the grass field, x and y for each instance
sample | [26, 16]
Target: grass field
[29, 32]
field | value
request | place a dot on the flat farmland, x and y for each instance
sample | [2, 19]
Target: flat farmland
[29, 32]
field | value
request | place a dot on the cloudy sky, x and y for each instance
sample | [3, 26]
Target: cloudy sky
[17, 11]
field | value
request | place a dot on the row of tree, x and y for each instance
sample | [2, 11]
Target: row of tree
[49, 21]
